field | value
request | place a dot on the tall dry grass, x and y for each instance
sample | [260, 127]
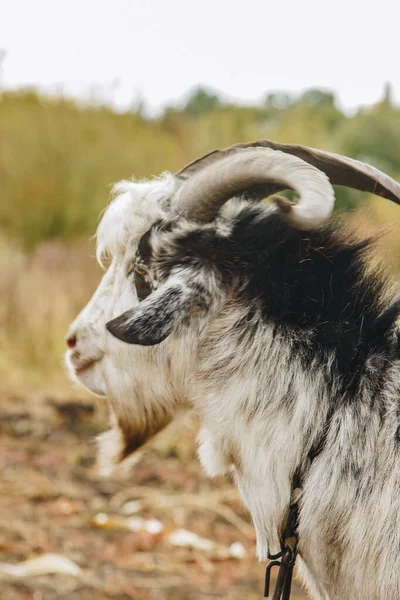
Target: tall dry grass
[41, 292]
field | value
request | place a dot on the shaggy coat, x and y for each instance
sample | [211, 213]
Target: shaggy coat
[284, 344]
[295, 352]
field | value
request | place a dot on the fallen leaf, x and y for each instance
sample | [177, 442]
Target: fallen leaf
[47, 564]
[188, 539]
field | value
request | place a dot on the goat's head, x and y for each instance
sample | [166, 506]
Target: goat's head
[159, 281]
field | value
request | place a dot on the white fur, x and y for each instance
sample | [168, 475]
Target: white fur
[136, 205]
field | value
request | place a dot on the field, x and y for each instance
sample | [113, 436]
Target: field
[53, 501]
[65, 532]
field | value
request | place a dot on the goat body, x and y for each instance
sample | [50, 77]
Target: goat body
[286, 345]
[296, 348]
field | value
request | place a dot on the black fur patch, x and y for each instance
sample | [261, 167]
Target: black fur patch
[313, 284]
[143, 287]
[144, 250]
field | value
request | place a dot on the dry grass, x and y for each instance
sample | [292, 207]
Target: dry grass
[40, 294]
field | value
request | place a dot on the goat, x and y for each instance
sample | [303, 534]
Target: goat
[268, 323]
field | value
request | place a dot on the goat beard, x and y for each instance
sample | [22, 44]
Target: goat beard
[127, 436]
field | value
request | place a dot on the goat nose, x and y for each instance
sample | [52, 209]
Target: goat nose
[71, 341]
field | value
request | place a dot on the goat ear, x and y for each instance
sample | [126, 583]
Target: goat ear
[155, 318]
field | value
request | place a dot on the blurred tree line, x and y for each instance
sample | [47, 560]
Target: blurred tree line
[58, 158]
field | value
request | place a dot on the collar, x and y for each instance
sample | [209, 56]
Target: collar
[286, 558]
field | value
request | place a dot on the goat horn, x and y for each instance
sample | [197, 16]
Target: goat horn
[341, 170]
[204, 186]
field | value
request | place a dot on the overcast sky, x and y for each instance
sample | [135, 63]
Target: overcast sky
[126, 49]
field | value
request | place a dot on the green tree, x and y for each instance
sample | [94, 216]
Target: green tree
[201, 101]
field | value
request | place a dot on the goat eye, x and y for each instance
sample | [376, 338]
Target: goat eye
[139, 271]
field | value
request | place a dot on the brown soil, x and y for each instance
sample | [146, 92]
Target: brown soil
[51, 496]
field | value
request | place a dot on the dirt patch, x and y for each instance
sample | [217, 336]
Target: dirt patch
[120, 533]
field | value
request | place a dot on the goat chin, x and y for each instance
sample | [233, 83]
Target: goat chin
[89, 376]
[282, 342]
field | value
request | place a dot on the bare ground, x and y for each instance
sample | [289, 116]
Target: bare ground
[53, 501]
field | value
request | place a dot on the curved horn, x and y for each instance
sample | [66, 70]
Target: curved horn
[341, 170]
[209, 182]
